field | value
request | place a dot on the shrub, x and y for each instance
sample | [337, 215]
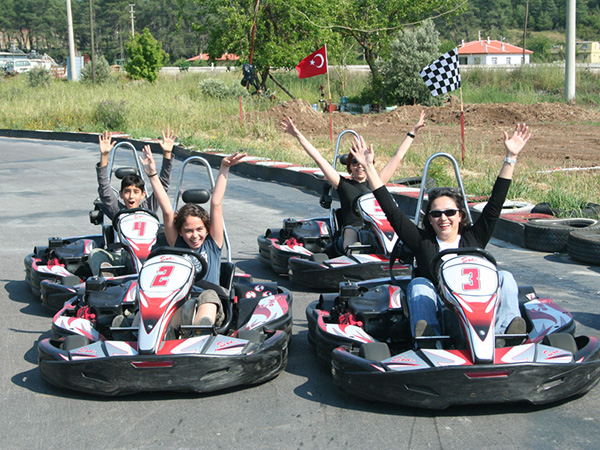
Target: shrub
[146, 57]
[102, 70]
[38, 76]
[215, 88]
[409, 53]
[111, 115]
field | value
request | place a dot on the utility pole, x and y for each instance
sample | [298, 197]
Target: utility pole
[92, 56]
[525, 31]
[72, 70]
[570, 52]
[131, 5]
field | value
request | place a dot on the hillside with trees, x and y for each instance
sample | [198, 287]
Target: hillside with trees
[187, 27]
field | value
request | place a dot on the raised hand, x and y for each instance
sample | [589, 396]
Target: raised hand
[106, 144]
[168, 141]
[361, 152]
[517, 141]
[148, 161]
[420, 124]
[288, 127]
[232, 160]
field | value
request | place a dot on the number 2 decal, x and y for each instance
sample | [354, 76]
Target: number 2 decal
[162, 276]
[474, 282]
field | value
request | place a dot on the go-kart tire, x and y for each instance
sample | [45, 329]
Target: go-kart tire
[564, 341]
[584, 245]
[551, 235]
[74, 341]
[374, 351]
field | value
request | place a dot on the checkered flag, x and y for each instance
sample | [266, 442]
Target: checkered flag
[442, 75]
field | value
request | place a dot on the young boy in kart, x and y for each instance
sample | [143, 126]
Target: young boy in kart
[192, 227]
[132, 193]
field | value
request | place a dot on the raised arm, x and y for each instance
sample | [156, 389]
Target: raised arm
[160, 194]
[216, 201]
[331, 175]
[365, 155]
[106, 145]
[388, 171]
[513, 146]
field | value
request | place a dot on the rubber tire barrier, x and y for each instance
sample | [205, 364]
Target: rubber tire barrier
[551, 235]
[415, 182]
[584, 245]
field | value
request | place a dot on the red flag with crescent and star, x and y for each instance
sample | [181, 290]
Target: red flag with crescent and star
[314, 64]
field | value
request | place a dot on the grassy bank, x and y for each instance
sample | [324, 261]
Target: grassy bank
[143, 109]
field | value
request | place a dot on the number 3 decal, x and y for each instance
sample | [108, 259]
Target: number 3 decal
[162, 276]
[473, 274]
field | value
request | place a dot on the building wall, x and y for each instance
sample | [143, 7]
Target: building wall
[492, 59]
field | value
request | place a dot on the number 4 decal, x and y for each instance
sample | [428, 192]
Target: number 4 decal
[162, 276]
[474, 282]
[140, 227]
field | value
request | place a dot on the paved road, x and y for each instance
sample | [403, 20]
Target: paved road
[47, 189]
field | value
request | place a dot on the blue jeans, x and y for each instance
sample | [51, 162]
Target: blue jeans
[424, 303]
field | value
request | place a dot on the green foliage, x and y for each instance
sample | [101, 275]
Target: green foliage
[102, 70]
[410, 52]
[216, 88]
[146, 57]
[38, 77]
[111, 115]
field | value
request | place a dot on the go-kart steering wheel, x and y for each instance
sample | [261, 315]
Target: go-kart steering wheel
[115, 220]
[437, 260]
[183, 252]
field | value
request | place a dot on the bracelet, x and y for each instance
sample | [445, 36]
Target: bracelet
[154, 174]
[410, 135]
[510, 160]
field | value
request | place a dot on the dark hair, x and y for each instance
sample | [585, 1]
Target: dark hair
[455, 195]
[191, 209]
[133, 180]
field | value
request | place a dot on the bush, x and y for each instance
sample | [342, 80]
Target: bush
[102, 71]
[146, 57]
[111, 115]
[409, 53]
[215, 88]
[38, 76]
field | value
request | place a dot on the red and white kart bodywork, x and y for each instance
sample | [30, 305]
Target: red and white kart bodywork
[59, 270]
[365, 334]
[302, 250]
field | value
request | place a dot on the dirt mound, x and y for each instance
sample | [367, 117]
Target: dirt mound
[562, 134]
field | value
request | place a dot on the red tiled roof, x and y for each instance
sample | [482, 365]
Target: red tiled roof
[224, 57]
[484, 46]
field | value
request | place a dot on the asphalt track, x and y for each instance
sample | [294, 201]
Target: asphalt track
[47, 189]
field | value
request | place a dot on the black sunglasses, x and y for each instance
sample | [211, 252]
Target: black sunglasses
[354, 163]
[436, 213]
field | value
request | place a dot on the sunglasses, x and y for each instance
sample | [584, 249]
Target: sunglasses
[438, 213]
[355, 163]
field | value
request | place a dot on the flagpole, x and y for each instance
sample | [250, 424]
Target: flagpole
[462, 125]
[330, 105]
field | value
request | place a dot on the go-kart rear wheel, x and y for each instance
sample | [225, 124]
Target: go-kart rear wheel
[74, 341]
[564, 341]
[375, 351]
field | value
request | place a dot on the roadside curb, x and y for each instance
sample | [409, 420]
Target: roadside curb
[510, 227]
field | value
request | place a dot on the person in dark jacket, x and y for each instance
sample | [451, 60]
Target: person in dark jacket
[349, 189]
[446, 226]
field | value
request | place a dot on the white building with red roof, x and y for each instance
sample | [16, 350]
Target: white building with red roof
[490, 52]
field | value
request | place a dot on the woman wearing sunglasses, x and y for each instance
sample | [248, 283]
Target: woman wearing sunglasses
[446, 226]
[349, 189]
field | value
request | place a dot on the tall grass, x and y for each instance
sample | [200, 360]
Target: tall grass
[206, 122]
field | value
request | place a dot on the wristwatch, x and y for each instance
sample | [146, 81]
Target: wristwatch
[510, 160]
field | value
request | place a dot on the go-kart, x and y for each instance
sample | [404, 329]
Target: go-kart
[128, 334]
[121, 338]
[309, 252]
[64, 260]
[364, 333]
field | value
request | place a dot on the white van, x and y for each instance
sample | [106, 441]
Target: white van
[19, 66]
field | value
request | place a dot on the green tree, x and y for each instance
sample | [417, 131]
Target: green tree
[409, 53]
[146, 56]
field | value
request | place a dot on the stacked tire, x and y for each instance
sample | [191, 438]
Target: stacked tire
[584, 245]
[552, 235]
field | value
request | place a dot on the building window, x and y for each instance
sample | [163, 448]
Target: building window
[584, 46]
[494, 60]
[476, 60]
[508, 60]
[463, 60]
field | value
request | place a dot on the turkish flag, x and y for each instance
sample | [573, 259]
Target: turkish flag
[313, 64]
